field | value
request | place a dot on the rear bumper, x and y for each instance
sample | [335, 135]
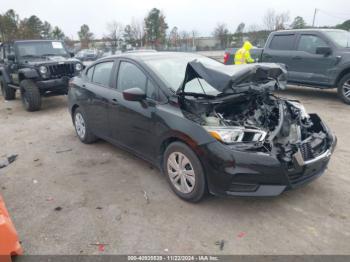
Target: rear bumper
[238, 173]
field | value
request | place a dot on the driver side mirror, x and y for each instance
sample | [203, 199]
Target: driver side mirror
[134, 94]
[71, 54]
[323, 51]
[11, 57]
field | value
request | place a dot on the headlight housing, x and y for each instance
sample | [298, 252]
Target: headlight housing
[43, 70]
[230, 135]
[78, 66]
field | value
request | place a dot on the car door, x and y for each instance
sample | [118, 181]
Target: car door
[313, 67]
[98, 88]
[281, 49]
[132, 123]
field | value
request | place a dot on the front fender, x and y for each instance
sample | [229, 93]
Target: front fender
[28, 73]
[5, 75]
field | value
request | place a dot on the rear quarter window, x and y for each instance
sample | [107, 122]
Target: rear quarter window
[89, 73]
[282, 42]
[102, 73]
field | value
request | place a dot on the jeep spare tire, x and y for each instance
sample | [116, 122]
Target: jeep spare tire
[9, 93]
[30, 95]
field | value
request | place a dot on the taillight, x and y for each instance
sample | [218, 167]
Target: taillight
[226, 57]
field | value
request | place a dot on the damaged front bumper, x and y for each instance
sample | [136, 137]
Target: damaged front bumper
[232, 172]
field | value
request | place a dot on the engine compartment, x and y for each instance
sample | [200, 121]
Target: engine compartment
[264, 123]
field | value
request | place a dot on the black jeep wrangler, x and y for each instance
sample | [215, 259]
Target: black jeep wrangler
[37, 68]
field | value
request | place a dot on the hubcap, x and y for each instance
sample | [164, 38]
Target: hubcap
[346, 89]
[80, 125]
[181, 172]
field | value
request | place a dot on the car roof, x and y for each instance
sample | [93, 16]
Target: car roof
[144, 56]
[309, 30]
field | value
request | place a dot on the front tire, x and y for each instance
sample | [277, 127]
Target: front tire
[344, 89]
[184, 172]
[31, 97]
[82, 127]
[8, 93]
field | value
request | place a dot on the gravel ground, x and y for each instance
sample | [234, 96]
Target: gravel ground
[66, 197]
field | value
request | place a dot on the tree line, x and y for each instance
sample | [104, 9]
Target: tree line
[151, 31]
[12, 27]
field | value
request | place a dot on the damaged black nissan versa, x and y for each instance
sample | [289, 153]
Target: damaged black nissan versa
[208, 127]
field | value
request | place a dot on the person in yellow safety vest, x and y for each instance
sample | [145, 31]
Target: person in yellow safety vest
[242, 56]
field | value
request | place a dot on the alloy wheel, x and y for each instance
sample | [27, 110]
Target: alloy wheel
[181, 172]
[80, 126]
[346, 89]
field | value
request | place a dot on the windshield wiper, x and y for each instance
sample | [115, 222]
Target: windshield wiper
[49, 55]
[30, 56]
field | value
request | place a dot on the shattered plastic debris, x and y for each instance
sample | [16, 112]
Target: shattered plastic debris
[220, 244]
[101, 247]
[63, 151]
[241, 234]
[58, 209]
[8, 160]
[146, 197]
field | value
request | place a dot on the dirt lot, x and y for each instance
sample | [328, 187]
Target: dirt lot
[101, 192]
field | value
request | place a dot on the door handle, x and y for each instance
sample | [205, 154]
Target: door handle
[115, 101]
[296, 57]
[84, 85]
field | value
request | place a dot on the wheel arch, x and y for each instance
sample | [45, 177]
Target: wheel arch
[177, 137]
[73, 108]
[28, 73]
[342, 74]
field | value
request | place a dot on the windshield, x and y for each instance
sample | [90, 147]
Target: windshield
[40, 49]
[342, 38]
[171, 69]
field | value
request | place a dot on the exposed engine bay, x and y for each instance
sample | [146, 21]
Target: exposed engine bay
[254, 119]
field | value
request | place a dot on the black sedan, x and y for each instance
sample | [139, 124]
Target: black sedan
[208, 127]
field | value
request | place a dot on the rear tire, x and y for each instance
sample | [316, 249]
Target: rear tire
[184, 172]
[82, 127]
[344, 89]
[8, 93]
[31, 97]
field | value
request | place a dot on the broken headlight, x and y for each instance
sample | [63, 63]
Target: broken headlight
[230, 135]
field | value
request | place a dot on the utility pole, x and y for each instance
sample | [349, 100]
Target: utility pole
[313, 20]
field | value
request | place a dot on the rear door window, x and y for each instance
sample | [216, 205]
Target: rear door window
[102, 73]
[282, 42]
[309, 43]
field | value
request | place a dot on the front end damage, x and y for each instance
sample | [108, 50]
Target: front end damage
[272, 142]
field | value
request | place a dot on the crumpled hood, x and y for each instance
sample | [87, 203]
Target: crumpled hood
[233, 77]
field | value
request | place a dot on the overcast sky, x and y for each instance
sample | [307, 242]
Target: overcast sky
[199, 15]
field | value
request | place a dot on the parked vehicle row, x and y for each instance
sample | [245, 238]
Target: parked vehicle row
[314, 57]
